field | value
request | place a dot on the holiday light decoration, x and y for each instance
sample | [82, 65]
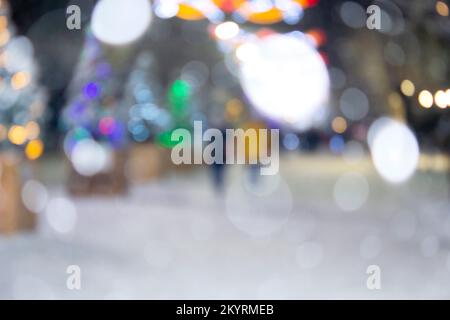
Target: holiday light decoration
[22, 101]
[93, 118]
[188, 9]
[254, 11]
[146, 117]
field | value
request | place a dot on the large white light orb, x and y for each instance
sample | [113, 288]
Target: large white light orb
[119, 22]
[286, 79]
[394, 148]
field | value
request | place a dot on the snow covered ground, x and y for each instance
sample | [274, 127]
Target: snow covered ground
[309, 233]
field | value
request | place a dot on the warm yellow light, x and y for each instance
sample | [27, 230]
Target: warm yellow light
[188, 12]
[447, 94]
[442, 8]
[17, 135]
[426, 99]
[4, 37]
[233, 109]
[407, 88]
[34, 149]
[32, 130]
[3, 132]
[3, 22]
[20, 80]
[441, 163]
[339, 125]
[440, 98]
[270, 16]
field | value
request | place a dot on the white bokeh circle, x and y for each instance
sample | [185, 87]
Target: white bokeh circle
[118, 22]
[286, 79]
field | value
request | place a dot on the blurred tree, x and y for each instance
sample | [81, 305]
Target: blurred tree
[22, 100]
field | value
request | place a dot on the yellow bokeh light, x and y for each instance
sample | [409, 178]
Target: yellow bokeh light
[440, 98]
[407, 88]
[17, 135]
[339, 125]
[20, 80]
[447, 94]
[34, 149]
[426, 99]
[188, 12]
[268, 17]
[4, 37]
[442, 8]
[233, 109]
[32, 130]
[3, 23]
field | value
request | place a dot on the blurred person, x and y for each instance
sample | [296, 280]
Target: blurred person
[253, 152]
[218, 168]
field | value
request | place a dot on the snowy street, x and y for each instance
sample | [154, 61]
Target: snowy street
[297, 235]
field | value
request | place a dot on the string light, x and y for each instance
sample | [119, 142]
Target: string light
[440, 98]
[407, 88]
[426, 99]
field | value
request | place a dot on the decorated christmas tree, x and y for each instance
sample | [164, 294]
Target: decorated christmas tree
[22, 101]
[22, 104]
[95, 122]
